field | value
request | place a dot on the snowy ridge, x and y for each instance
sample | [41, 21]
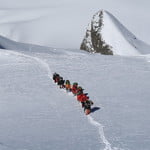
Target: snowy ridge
[121, 36]
[105, 34]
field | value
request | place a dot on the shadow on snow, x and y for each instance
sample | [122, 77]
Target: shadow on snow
[94, 109]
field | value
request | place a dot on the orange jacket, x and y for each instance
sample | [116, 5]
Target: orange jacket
[68, 86]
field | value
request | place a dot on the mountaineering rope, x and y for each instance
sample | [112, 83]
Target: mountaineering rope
[101, 132]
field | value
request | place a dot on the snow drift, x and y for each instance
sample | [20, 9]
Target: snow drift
[105, 34]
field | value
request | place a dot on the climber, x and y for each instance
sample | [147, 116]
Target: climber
[68, 86]
[87, 106]
[82, 97]
[56, 77]
[79, 90]
[61, 82]
[74, 88]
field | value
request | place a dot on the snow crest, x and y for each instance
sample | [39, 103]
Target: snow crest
[106, 35]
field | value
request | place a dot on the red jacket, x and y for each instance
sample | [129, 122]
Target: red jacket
[74, 89]
[82, 97]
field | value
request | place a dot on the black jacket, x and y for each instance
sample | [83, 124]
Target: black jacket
[87, 104]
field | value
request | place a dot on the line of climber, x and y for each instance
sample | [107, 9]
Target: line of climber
[76, 91]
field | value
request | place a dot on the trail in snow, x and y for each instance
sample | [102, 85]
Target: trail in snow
[101, 132]
[43, 63]
[90, 119]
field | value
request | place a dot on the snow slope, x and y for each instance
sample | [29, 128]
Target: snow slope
[35, 114]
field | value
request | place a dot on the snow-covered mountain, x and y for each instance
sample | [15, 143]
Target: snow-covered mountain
[35, 114]
[105, 34]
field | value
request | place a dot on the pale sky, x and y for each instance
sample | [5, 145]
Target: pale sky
[71, 17]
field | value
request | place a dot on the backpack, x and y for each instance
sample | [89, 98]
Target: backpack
[67, 82]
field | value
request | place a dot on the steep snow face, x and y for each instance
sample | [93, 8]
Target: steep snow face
[112, 36]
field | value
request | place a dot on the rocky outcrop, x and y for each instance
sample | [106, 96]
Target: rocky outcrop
[93, 41]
